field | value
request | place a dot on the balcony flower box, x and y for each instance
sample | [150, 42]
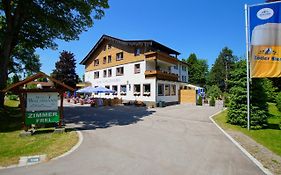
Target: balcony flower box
[136, 93]
[123, 93]
[146, 93]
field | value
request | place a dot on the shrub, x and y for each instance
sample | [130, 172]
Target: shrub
[225, 100]
[212, 101]
[214, 91]
[278, 101]
[199, 101]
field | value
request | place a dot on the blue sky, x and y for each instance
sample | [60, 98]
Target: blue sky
[202, 27]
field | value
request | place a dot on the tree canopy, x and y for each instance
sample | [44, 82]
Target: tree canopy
[36, 24]
[219, 73]
[197, 70]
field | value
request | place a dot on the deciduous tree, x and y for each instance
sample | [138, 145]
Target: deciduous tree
[36, 24]
[197, 70]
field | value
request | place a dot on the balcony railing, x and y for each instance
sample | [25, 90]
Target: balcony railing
[162, 75]
[161, 56]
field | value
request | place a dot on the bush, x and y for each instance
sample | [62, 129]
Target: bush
[278, 101]
[225, 100]
[212, 101]
[214, 91]
[199, 101]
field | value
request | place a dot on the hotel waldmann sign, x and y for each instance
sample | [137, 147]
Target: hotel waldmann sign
[40, 105]
[41, 108]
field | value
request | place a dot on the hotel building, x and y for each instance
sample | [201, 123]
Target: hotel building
[142, 70]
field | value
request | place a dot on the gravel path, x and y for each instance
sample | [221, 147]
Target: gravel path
[269, 159]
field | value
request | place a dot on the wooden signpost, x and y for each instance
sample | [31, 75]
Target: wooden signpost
[40, 106]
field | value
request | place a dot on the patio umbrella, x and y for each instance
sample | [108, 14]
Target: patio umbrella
[88, 89]
[102, 90]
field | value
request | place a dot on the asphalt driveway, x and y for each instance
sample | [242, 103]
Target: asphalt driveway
[130, 140]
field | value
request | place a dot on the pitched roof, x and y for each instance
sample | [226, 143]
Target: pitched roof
[150, 43]
[34, 77]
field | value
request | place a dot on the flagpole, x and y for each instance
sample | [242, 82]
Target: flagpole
[248, 70]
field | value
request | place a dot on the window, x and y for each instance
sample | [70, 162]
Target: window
[137, 68]
[160, 89]
[146, 89]
[107, 87]
[167, 90]
[104, 73]
[119, 71]
[173, 90]
[109, 59]
[115, 89]
[176, 67]
[109, 72]
[183, 68]
[104, 60]
[96, 62]
[137, 51]
[96, 75]
[123, 89]
[119, 56]
[109, 46]
[137, 89]
[104, 48]
[183, 78]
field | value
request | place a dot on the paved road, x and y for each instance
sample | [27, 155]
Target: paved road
[175, 140]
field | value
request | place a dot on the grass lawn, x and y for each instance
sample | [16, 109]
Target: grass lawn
[42, 142]
[270, 137]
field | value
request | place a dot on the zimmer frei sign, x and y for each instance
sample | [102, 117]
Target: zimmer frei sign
[265, 40]
[41, 108]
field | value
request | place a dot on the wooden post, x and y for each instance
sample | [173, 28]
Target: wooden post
[22, 103]
[61, 109]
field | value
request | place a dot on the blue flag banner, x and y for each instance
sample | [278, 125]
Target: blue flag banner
[265, 40]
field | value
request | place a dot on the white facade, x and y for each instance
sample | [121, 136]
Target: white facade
[128, 83]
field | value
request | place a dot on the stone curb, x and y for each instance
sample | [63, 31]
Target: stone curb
[254, 160]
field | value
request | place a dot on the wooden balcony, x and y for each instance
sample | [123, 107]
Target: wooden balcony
[161, 75]
[161, 56]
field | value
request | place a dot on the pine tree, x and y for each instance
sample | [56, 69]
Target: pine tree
[237, 108]
[219, 73]
[65, 69]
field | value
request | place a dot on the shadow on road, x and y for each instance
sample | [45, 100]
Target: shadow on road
[87, 118]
